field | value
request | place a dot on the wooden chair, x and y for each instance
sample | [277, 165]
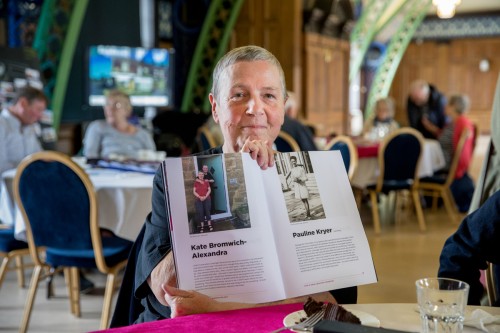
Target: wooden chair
[438, 186]
[491, 285]
[205, 139]
[348, 150]
[285, 143]
[59, 206]
[398, 162]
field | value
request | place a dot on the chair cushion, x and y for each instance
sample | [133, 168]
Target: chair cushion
[9, 243]
[393, 185]
[115, 249]
[435, 179]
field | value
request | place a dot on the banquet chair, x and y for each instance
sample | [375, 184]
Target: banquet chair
[59, 206]
[438, 185]
[348, 150]
[12, 249]
[205, 139]
[285, 143]
[398, 162]
[492, 284]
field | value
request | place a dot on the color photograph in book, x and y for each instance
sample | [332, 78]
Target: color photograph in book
[299, 186]
[216, 195]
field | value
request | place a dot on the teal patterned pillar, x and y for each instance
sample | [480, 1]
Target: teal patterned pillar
[211, 45]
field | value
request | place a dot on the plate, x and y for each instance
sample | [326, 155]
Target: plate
[366, 318]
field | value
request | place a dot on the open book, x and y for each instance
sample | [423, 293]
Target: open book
[287, 231]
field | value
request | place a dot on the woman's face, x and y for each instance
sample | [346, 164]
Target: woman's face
[117, 110]
[250, 104]
[200, 175]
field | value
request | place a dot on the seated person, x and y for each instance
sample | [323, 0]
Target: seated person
[248, 98]
[382, 122]
[18, 127]
[300, 132]
[462, 187]
[116, 137]
[472, 246]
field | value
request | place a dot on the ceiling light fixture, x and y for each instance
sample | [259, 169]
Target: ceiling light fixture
[446, 8]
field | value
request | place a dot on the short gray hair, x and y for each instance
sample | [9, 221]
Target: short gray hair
[460, 103]
[247, 53]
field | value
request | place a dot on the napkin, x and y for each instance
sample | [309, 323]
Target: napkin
[484, 321]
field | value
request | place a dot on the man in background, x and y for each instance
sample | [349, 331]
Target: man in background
[301, 133]
[22, 133]
[425, 102]
[19, 129]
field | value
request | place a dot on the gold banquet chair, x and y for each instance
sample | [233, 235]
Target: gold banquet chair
[285, 143]
[398, 162]
[438, 186]
[205, 139]
[348, 150]
[12, 249]
[491, 284]
[59, 206]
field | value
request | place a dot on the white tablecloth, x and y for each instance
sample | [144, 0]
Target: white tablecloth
[123, 198]
[405, 316]
[432, 160]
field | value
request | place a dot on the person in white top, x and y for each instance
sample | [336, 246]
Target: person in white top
[19, 129]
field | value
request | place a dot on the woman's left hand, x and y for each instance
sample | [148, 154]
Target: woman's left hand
[187, 302]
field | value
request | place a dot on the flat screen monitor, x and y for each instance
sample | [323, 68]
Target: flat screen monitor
[145, 74]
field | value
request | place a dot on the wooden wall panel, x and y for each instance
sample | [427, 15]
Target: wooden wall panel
[274, 25]
[452, 66]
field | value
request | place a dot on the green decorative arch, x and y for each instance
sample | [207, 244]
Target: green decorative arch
[363, 33]
[211, 45]
[55, 42]
[415, 11]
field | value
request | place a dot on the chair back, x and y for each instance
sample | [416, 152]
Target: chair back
[466, 133]
[58, 204]
[285, 143]
[205, 139]
[492, 284]
[348, 151]
[399, 157]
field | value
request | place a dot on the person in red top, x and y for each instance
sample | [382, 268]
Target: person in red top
[462, 187]
[201, 191]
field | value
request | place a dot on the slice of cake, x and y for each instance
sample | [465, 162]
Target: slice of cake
[332, 311]
[338, 313]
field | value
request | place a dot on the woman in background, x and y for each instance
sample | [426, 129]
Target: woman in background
[462, 187]
[382, 123]
[116, 137]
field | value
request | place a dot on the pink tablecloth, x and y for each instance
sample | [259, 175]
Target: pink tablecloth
[368, 150]
[262, 319]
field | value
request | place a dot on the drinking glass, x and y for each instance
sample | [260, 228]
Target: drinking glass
[442, 304]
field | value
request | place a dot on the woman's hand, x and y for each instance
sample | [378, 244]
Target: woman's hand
[184, 302]
[261, 151]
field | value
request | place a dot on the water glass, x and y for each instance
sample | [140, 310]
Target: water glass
[442, 304]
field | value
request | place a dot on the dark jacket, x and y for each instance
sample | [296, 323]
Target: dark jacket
[472, 246]
[433, 110]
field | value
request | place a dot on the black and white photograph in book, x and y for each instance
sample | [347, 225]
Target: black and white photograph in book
[216, 195]
[299, 187]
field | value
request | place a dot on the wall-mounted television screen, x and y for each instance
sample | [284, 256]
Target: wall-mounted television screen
[145, 74]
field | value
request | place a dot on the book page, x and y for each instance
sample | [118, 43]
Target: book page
[319, 235]
[235, 259]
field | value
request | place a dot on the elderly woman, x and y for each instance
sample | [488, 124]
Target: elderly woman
[382, 123]
[462, 187]
[248, 98]
[116, 137]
